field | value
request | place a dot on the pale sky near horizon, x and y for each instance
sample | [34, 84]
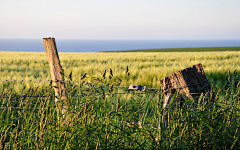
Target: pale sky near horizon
[120, 19]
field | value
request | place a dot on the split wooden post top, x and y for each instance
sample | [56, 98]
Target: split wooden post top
[186, 81]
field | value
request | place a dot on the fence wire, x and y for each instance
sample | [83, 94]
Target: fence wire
[26, 108]
[40, 96]
[2, 95]
[67, 81]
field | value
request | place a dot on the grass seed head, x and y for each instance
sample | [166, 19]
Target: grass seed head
[70, 76]
[111, 73]
[83, 76]
[127, 69]
[104, 74]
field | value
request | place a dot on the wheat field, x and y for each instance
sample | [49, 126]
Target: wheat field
[145, 68]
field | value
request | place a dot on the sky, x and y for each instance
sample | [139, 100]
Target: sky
[120, 19]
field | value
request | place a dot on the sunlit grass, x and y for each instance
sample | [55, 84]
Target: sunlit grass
[129, 121]
[109, 120]
[145, 68]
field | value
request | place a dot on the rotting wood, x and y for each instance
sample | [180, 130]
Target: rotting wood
[189, 80]
[55, 69]
[189, 83]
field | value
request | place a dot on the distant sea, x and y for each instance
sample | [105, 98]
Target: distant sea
[36, 45]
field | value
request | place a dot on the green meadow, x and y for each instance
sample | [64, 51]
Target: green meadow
[103, 118]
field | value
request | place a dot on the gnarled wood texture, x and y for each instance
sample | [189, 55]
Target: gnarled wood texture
[189, 83]
[189, 80]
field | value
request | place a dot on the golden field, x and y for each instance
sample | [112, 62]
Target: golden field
[146, 68]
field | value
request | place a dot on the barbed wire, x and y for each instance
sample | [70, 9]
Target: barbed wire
[31, 80]
[26, 108]
[139, 94]
[37, 96]
[67, 81]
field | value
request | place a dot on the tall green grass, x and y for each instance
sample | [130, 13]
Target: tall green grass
[102, 120]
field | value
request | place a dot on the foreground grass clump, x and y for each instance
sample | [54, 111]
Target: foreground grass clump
[102, 119]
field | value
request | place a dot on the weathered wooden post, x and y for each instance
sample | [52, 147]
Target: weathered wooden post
[57, 79]
[190, 82]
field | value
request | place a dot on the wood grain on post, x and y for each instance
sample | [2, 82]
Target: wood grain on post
[54, 63]
[190, 83]
[187, 81]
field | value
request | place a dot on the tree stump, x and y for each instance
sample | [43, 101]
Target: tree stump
[189, 83]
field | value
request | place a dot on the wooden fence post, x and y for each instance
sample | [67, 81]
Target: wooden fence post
[57, 79]
[189, 83]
